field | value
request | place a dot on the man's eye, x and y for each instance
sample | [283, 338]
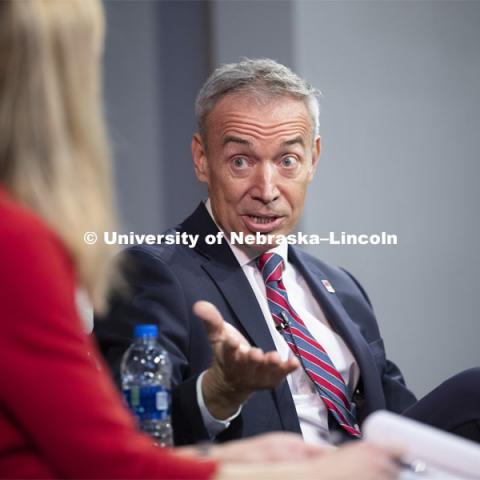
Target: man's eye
[239, 163]
[289, 162]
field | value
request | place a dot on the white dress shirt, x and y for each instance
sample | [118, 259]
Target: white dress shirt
[311, 410]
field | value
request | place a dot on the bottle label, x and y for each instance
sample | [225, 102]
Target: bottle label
[148, 402]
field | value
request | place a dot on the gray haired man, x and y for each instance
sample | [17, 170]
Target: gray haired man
[294, 344]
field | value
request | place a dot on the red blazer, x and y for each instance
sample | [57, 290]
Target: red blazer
[60, 415]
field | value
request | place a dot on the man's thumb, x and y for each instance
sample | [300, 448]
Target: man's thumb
[211, 318]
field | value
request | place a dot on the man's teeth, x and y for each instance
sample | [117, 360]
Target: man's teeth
[262, 219]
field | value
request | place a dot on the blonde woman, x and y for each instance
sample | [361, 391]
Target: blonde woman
[60, 416]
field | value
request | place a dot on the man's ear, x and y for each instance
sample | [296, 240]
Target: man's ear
[199, 158]
[315, 157]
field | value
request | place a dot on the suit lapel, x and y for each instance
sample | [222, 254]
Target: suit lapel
[342, 323]
[222, 267]
[239, 294]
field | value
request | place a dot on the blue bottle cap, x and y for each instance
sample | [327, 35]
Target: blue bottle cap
[145, 330]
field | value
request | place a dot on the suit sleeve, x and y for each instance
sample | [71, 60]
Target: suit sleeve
[54, 388]
[156, 296]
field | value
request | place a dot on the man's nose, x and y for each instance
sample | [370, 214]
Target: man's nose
[265, 188]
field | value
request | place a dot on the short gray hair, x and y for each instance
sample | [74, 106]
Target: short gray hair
[261, 78]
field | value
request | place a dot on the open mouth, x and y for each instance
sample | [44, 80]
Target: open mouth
[262, 220]
[262, 223]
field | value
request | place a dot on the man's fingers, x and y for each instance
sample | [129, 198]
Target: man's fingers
[211, 318]
[273, 358]
[274, 362]
[270, 370]
[292, 364]
[232, 333]
[256, 356]
[234, 354]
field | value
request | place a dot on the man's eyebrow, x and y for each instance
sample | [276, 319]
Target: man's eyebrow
[234, 139]
[295, 140]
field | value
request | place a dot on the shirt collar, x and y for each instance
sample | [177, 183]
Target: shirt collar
[242, 257]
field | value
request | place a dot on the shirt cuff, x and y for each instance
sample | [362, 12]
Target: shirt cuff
[212, 425]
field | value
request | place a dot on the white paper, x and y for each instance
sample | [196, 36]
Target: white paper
[444, 456]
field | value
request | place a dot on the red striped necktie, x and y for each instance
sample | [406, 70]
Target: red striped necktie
[313, 357]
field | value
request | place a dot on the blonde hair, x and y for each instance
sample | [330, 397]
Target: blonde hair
[54, 156]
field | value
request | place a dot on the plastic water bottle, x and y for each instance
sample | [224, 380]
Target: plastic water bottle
[146, 375]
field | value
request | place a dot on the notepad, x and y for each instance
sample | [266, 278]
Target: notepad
[436, 455]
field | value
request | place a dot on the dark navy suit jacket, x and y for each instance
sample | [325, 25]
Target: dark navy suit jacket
[167, 280]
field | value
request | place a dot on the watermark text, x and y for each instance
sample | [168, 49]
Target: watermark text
[240, 238]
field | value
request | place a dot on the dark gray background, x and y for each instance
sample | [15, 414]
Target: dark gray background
[400, 128]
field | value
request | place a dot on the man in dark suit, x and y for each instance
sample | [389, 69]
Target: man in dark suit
[257, 149]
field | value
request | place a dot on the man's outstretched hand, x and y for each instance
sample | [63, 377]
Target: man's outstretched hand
[238, 369]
